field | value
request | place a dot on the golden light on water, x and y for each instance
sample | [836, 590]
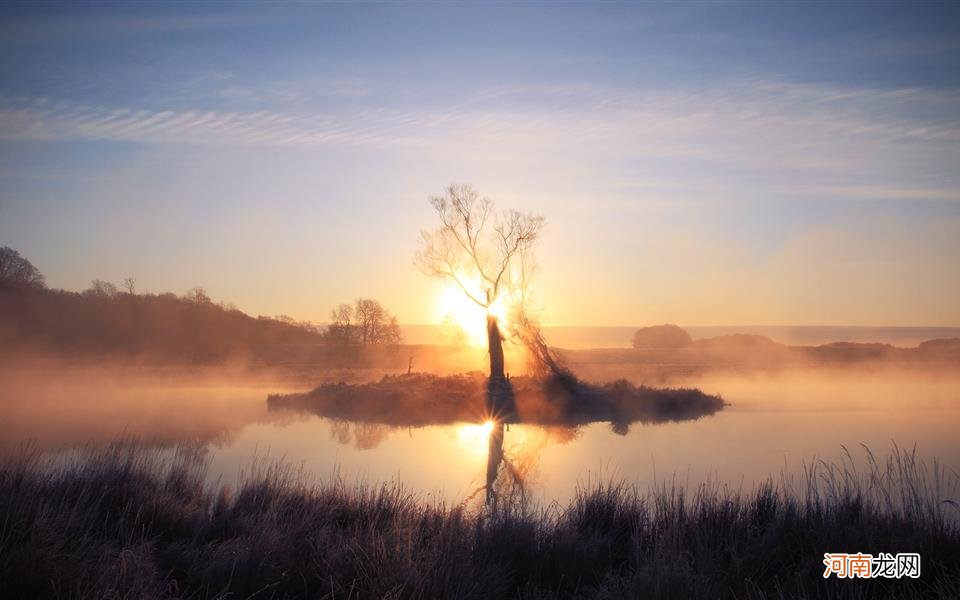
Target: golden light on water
[475, 437]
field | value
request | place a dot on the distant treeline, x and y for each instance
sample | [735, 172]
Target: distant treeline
[162, 325]
[672, 339]
[107, 320]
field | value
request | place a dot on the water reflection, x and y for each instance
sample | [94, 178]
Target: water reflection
[508, 468]
[514, 458]
[773, 423]
[55, 414]
[362, 436]
[422, 399]
[364, 416]
[494, 460]
[503, 478]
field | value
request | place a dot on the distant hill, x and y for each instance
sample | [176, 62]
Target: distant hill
[161, 327]
[815, 335]
[582, 337]
[950, 345]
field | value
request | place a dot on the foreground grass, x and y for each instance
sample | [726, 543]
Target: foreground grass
[130, 523]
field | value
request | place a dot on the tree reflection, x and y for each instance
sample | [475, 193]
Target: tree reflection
[494, 459]
[513, 460]
[485, 409]
[509, 471]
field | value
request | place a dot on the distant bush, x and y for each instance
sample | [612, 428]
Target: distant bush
[661, 336]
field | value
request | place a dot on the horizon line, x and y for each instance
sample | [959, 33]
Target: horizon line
[714, 325]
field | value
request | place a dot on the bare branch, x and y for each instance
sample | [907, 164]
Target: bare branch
[516, 235]
[465, 246]
[463, 214]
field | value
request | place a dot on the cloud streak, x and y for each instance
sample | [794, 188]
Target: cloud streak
[758, 125]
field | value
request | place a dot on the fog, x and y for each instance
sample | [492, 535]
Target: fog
[52, 405]
[775, 421]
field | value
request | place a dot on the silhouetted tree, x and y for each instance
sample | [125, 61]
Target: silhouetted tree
[367, 322]
[130, 284]
[340, 331]
[162, 326]
[342, 314]
[485, 253]
[197, 295]
[101, 289]
[18, 272]
[375, 325]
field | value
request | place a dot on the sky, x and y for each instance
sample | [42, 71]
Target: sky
[696, 163]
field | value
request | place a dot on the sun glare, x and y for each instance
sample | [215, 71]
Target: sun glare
[499, 310]
[475, 437]
[466, 314]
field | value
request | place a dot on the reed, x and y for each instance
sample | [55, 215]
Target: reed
[131, 522]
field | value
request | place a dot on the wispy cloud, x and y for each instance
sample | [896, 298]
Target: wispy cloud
[40, 119]
[765, 125]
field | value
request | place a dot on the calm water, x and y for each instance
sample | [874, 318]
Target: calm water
[774, 424]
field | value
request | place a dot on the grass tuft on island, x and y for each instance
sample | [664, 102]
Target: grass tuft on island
[421, 399]
[127, 522]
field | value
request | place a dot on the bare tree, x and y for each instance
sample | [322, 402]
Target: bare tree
[197, 295]
[18, 272]
[366, 322]
[375, 325]
[342, 315]
[484, 252]
[340, 330]
[102, 289]
[130, 284]
[369, 315]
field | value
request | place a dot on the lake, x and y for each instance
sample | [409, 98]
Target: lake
[774, 423]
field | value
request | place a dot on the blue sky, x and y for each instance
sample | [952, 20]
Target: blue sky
[700, 163]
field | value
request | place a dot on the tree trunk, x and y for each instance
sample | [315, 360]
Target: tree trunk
[495, 345]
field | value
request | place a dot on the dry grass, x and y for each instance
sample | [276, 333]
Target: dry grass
[127, 522]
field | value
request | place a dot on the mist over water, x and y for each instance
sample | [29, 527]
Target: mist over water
[569, 336]
[774, 423]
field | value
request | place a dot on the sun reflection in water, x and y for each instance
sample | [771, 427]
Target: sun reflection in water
[475, 437]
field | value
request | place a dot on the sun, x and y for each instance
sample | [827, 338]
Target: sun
[468, 315]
